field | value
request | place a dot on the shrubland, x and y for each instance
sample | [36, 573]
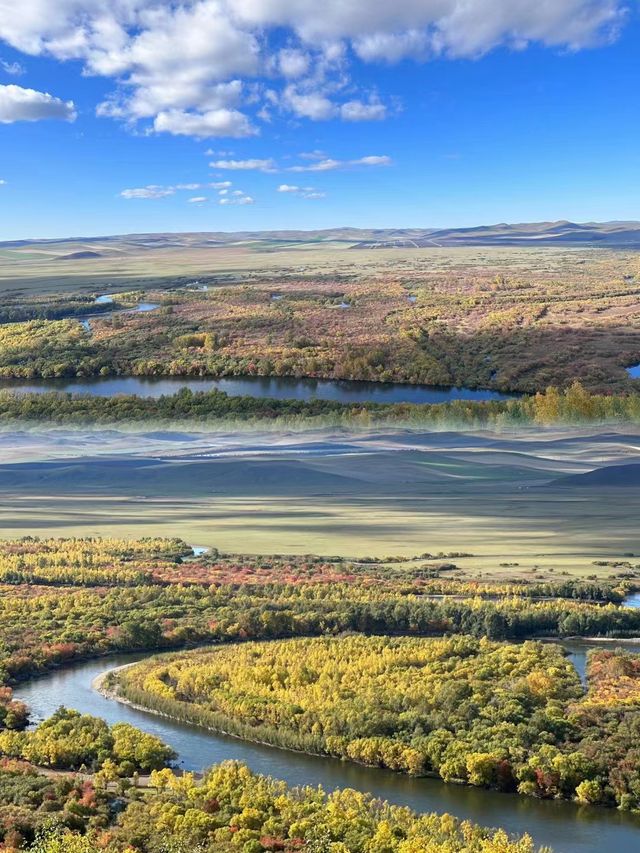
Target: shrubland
[459, 704]
[72, 741]
[502, 715]
[508, 318]
[233, 810]
[68, 599]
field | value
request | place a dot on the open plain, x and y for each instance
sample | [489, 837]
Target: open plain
[534, 504]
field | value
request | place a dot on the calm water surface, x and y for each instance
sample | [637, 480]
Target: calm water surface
[564, 826]
[280, 388]
[632, 600]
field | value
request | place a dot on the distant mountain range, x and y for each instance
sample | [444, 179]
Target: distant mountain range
[563, 233]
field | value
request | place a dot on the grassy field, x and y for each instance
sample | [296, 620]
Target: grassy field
[523, 507]
[508, 318]
[532, 546]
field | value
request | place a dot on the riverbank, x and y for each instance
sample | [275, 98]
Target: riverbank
[563, 825]
[151, 688]
[111, 693]
[39, 402]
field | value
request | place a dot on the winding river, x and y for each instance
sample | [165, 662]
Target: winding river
[279, 388]
[566, 827]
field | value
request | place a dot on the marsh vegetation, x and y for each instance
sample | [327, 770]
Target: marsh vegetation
[509, 318]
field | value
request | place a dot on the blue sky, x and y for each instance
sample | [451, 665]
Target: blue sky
[276, 114]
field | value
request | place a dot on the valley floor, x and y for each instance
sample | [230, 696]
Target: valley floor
[538, 503]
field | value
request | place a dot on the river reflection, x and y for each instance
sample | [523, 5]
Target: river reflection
[562, 825]
[279, 388]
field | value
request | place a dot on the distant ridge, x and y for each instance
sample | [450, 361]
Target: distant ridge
[79, 256]
[616, 476]
[560, 233]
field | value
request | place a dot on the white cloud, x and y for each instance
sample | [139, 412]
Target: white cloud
[372, 160]
[222, 122]
[18, 104]
[3, 183]
[242, 199]
[313, 105]
[15, 69]
[151, 191]
[267, 165]
[301, 192]
[358, 111]
[190, 68]
[451, 27]
[158, 191]
[392, 47]
[238, 196]
[329, 164]
[293, 63]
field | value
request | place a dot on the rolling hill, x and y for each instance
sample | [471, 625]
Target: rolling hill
[562, 233]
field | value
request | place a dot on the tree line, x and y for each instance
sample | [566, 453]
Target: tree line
[573, 405]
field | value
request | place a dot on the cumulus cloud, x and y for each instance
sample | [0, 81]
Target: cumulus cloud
[392, 47]
[450, 27]
[267, 165]
[313, 105]
[372, 160]
[240, 199]
[198, 199]
[2, 182]
[18, 104]
[222, 122]
[314, 162]
[359, 111]
[327, 165]
[191, 68]
[158, 191]
[301, 192]
[293, 63]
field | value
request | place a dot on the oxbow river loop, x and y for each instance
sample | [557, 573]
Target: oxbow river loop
[566, 827]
